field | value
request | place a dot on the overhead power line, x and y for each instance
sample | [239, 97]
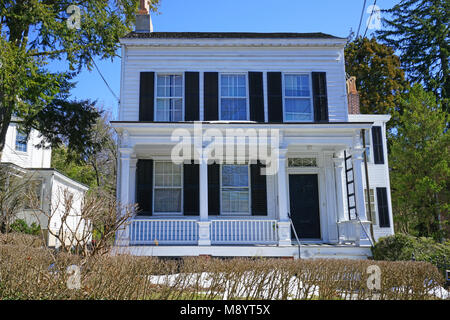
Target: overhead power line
[104, 80]
[360, 19]
[371, 13]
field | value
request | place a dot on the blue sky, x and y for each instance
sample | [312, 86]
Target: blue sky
[334, 17]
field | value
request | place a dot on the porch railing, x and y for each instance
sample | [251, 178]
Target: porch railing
[244, 232]
[163, 232]
[186, 232]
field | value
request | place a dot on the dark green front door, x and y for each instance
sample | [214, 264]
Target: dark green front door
[304, 205]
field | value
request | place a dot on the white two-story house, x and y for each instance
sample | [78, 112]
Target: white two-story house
[36, 179]
[272, 161]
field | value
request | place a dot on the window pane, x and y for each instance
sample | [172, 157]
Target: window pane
[167, 174]
[169, 86]
[298, 109]
[233, 85]
[235, 176]
[233, 109]
[21, 141]
[167, 200]
[296, 85]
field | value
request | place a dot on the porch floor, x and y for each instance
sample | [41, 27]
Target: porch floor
[307, 250]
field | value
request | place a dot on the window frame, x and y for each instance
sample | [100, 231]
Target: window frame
[249, 213]
[16, 142]
[311, 96]
[375, 219]
[157, 213]
[247, 94]
[155, 88]
[370, 157]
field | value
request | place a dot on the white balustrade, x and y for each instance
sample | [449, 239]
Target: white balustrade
[239, 232]
[163, 232]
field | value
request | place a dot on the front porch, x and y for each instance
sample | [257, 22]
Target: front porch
[195, 215]
[231, 238]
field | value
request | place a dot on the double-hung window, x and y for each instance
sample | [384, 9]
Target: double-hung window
[367, 140]
[233, 97]
[21, 141]
[370, 203]
[167, 188]
[297, 98]
[169, 97]
[235, 189]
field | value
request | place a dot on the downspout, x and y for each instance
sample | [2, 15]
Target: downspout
[363, 132]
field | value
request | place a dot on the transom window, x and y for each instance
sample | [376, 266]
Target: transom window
[235, 189]
[169, 97]
[233, 97]
[167, 188]
[21, 141]
[297, 98]
[302, 162]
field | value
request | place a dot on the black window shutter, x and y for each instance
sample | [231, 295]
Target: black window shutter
[383, 208]
[211, 96]
[191, 189]
[192, 98]
[274, 97]
[319, 81]
[214, 189]
[256, 91]
[258, 186]
[144, 186]
[377, 145]
[146, 96]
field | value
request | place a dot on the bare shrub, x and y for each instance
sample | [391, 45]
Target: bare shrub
[90, 229]
[36, 273]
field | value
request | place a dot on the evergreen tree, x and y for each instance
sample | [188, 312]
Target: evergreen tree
[420, 175]
[419, 30]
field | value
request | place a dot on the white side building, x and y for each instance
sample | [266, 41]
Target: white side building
[33, 165]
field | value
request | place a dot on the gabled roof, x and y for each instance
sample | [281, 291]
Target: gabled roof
[228, 35]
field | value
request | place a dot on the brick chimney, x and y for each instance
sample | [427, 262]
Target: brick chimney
[353, 96]
[143, 19]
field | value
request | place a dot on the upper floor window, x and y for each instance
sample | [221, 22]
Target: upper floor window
[21, 141]
[169, 97]
[235, 189]
[297, 98]
[233, 97]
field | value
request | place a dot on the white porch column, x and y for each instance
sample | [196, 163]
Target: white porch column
[344, 226]
[125, 162]
[331, 195]
[284, 225]
[357, 161]
[204, 234]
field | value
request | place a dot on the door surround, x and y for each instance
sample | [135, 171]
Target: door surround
[322, 200]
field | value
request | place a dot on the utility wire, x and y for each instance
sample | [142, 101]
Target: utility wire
[367, 27]
[104, 80]
[360, 19]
